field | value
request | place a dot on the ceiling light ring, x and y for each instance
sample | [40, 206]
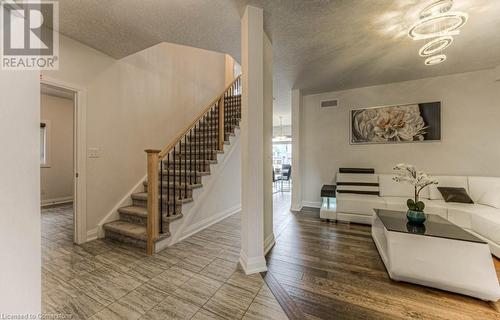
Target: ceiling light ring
[434, 60]
[438, 7]
[439, 45]
[451, 30]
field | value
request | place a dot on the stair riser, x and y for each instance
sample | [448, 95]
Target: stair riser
[143, 221]
[194, 157]
[183, 193]
[193, 180]
[198, 167]
[144, 204]
[125, 239]
[212, 129]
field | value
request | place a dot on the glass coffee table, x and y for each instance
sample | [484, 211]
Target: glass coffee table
[436, 254]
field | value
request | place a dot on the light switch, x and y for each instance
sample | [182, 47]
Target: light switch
[94, 153]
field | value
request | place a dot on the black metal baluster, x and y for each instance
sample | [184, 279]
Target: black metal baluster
[214, 142]
[198, 146]
[175, 177]
[161, 196]
[185, 167]
[217, 125]
[191, 156]
[180, 170]
[168, 183]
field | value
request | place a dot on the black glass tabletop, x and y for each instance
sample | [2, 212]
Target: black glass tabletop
[434, 226]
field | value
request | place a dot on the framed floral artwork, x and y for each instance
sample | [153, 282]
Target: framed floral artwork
[420, 122]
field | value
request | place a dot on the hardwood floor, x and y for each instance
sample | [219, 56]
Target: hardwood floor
[333, 271]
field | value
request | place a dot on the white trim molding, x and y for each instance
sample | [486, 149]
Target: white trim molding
[252, 265]
[296, 207]
[207, 222]
[311, 204]
[55, 201]
[269, 243]
[93, 234]
[80, 154]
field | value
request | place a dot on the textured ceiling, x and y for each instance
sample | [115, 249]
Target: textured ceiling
[319, 45]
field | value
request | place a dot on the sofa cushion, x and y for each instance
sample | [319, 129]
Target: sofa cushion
[437, 207]
[487, 224]
[391, 188]
[461, 213]
[458, 195]
[491, 198]
[478, 186]
[359, 204]
[447, 181]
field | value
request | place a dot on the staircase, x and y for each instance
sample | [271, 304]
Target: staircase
[175, 171]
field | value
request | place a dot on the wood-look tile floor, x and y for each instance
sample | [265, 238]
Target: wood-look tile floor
[333, 271]
[198, 278]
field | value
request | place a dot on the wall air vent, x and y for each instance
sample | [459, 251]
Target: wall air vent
[329, 103]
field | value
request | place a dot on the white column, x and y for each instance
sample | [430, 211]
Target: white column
[252, 142]
[296, 204]
[20, 248]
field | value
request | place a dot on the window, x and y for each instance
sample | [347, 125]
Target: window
[44, 144]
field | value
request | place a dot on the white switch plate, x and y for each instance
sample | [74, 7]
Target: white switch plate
[94, 153]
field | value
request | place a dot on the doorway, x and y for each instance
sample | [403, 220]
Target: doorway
[282, 176]
[62, 162]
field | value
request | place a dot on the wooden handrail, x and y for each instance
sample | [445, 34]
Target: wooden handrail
[171, 145]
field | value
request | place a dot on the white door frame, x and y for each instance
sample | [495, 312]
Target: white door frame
[80, 152]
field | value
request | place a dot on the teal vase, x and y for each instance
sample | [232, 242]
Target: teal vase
[415, 217]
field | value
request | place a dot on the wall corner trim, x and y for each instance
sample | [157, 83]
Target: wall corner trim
[269, 243]
[252, 265]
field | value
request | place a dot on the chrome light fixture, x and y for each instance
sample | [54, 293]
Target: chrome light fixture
[439, 23]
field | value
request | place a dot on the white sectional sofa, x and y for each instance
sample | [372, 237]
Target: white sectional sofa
[359, 194]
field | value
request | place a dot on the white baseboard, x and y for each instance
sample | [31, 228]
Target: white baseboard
[54, 201]
[207, 222]
[311, 204]
[252, 265]
[269, 243]
[296, 206]
[113, 213]
[92, 234]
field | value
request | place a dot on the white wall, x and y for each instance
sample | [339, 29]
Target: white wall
[470, 131]
[20, 248]
[139, 102]
[57, 176]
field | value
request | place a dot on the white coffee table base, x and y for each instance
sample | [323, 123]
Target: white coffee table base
[457, 266]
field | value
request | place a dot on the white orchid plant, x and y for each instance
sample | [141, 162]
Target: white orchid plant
[409, 174]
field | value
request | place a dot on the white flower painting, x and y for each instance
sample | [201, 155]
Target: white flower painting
[393, 124]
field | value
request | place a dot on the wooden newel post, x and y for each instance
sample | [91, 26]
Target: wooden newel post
[153, 202]
[221, 124]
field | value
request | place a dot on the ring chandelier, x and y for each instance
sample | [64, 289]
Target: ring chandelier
[439, 23]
